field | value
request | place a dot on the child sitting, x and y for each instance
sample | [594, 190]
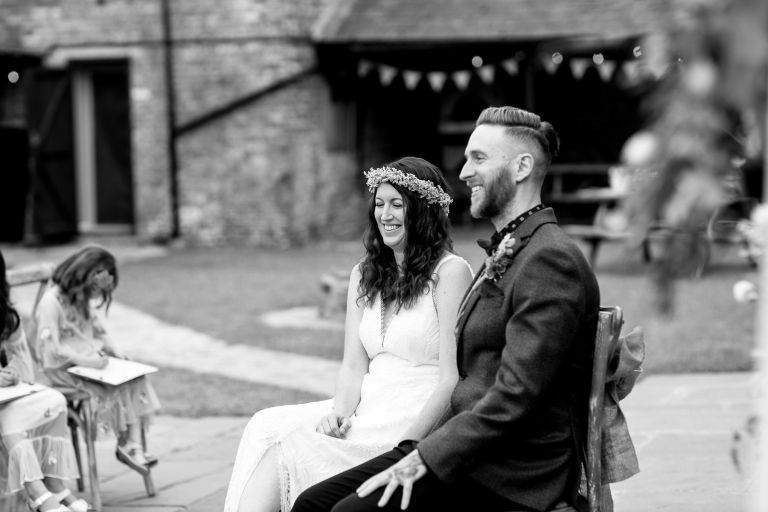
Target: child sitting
[69, 333]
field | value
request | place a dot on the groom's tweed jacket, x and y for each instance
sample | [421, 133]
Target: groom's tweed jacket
[525, 345]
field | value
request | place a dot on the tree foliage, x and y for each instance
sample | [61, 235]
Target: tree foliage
[706, 118]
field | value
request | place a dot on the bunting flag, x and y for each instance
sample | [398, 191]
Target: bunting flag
[549, 65]
[436, 80]
[487, 74]
[387, 74]
[411, 78]
[633, 71]
[578, 67]
[510, 66]
[461, 79]
[606, 70]
[657, 71]
[363, 67]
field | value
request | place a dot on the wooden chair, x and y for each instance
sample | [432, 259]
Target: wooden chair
[608, 330]
[80, 413]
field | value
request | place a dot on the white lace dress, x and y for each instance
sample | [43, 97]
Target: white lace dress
[402, 373]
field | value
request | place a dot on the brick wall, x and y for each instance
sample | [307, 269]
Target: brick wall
[258, 175]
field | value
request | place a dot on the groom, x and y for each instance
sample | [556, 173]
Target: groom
[517, 422]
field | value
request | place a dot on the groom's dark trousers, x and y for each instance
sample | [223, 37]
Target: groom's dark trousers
[338, 493]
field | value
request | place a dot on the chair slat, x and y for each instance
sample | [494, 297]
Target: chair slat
[608, 330]
[39, 273]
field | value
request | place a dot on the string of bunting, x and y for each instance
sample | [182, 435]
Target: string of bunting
[633, 70]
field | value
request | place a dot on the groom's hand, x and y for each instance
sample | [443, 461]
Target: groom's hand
[334, 425]
[406, 472]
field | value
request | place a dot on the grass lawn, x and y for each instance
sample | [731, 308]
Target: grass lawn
[187, 393]
[223, 291]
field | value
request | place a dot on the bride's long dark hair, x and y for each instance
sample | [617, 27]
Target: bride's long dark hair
[427, 239]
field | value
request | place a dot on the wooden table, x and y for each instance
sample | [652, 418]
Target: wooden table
[595, 233]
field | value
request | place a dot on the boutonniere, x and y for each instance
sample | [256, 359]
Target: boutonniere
[496, 264]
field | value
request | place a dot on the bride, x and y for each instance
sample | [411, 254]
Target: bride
[399, 364]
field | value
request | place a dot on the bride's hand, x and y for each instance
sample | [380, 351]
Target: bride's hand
[334, 425]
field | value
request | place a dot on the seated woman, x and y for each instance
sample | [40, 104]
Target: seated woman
[399, 363]
[69, 333]
[36, 453]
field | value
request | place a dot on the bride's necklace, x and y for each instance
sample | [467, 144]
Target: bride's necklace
[384, 323]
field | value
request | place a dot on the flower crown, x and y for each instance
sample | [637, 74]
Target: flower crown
[431, 193]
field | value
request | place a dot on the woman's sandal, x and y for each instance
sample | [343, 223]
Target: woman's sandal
[38, 502]
[78, 505]
[127, 455]
[151, 460]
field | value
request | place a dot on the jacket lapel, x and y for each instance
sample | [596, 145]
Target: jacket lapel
[522, 236]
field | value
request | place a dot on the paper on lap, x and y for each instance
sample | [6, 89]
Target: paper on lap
[19, 390]
[116, 372]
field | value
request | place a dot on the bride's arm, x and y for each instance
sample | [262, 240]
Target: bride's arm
[354, 366]
[454, 277]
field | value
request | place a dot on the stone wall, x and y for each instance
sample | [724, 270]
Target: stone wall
[259, 173]
[279, 185]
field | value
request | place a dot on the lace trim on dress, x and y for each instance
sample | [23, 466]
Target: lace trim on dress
[237, 487]
[286, 486]
[33, 459]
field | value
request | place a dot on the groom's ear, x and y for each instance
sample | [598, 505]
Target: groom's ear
[525, 163]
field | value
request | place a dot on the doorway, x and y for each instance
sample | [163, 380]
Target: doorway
[102, 139]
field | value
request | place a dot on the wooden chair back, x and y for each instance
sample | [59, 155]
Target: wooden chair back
[608, 330]
[39, 273]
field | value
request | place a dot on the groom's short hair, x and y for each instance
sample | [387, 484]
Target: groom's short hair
[525, 126]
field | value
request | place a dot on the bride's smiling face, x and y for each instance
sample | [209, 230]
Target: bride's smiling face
[389, 212]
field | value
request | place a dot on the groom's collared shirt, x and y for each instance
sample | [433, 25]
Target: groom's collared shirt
[490, 245]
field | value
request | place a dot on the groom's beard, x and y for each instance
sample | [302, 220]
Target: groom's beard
[498, 192]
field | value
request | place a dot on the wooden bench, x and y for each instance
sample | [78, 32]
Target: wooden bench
[585, 175]
[80, 414]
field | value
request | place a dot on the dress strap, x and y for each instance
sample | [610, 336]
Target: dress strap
[448, 256]
[451, 256]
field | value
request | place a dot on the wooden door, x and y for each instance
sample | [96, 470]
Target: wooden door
[112, 145]
[54, 208]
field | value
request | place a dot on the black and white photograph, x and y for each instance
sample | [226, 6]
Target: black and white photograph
[364, 255]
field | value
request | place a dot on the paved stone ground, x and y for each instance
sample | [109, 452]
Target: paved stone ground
[682, 426]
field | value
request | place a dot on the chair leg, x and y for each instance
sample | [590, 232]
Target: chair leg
[143, 427]
[646, 246]
[89, 428]
[78, 458]
[149, 484]
[595, 243]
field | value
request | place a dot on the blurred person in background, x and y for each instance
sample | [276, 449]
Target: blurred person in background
[36, 453]
[399, 363]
